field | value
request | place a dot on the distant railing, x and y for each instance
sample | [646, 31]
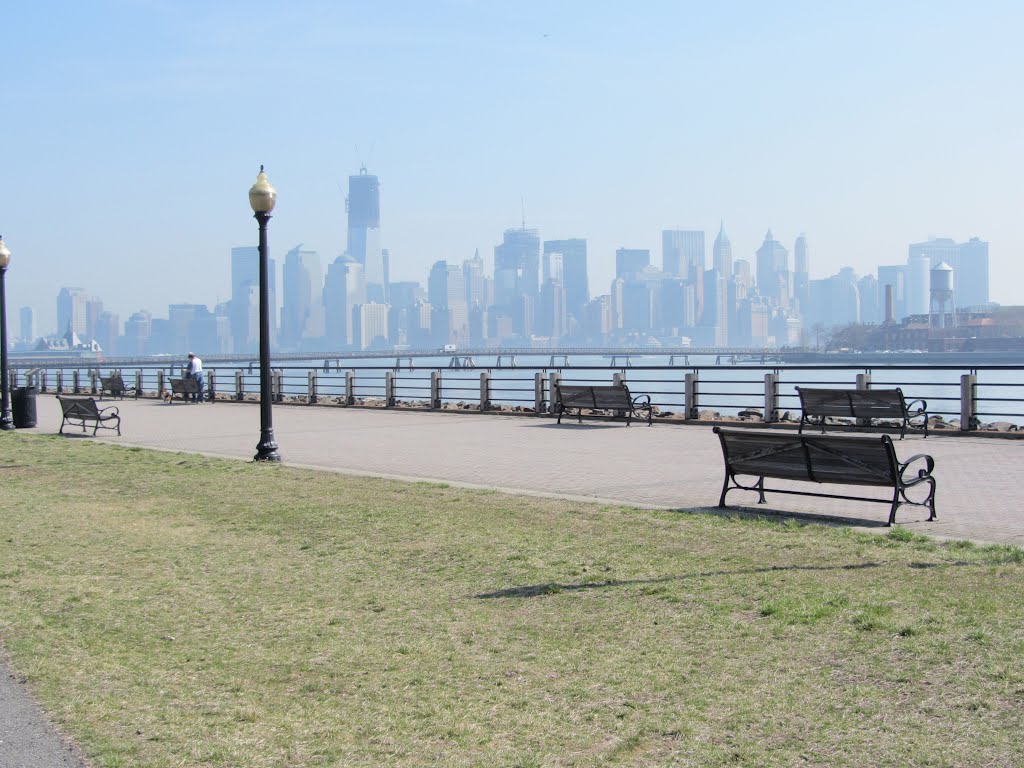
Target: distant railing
[967, 398]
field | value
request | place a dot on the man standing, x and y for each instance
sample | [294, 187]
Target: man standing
[195, 369]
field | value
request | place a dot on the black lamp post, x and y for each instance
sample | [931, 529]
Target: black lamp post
[262, 198]
[5, 408]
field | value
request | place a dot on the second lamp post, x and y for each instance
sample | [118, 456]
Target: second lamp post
[262, 197]
[5, 394]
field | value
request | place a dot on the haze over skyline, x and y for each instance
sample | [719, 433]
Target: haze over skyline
[133, 130]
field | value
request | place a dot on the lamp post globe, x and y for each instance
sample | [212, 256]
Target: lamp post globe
[262, 197]
[5, 383]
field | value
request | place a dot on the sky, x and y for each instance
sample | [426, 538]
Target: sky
[131, 131]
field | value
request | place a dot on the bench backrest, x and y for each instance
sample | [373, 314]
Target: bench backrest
[79, 407]
[599, 397]
[821, 458]
[113, 383]
[857, 403]
[184, 386]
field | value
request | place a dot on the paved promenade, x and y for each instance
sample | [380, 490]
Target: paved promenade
[671, 466]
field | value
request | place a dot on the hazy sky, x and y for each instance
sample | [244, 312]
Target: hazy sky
[131, 131]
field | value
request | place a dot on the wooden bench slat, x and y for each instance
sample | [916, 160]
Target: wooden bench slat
[822, 459]
[864, 404]
[76, 411]
[601, 397]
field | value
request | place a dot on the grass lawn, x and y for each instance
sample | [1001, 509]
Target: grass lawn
[173, 610]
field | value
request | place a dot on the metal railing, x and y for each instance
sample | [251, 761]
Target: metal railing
[968, 397]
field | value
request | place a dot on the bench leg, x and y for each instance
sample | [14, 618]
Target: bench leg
[725, 489]
[892, 509]
[931, 499]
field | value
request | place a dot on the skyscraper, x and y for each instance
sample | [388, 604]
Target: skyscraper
[446, 292]
[722, 253]
[344, 289]
[773, 271]
[682, 249]
[631, 261]
[363, 207]
[801, 272]
[302, 289]
[71, 311]
[475, 281]
[972, 281]
[245, 308]
[517, 274]
[573, 277]
[28, 324]
[918, 283]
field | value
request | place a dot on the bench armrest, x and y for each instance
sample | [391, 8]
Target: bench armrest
[926, 471]
[104, 412]
[922, 408]
[641, 401]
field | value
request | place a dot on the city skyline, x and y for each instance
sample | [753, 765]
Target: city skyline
[528, 300]
[135, 130]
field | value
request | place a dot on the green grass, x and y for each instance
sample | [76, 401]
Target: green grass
[173, 610]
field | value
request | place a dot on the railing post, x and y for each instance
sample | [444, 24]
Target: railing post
[211, 385]
[863, 382]
[538, 392]
[389, 389]
[42, 381]
[239, 386]
[771, 398]
[138, 383]
[553, 381]
[485, 391]
[435, 389]
[311, 387]
[60, 382]
[350, 387]
[968, 402]
[75, 382]
[277, 386]
[161, 384]
[93, 383]
[690, 399]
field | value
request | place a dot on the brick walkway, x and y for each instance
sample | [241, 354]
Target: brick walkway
[672, 466]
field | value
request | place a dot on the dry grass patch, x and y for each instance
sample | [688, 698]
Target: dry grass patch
[171, 610]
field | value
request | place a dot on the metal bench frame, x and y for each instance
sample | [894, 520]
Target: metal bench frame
[114, 386]
[184, 387]
[76, 411]
[602, 397]
[817, 405]
[839, 459]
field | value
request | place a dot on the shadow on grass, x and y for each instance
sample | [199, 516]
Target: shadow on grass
[554, 588]
[781, 515]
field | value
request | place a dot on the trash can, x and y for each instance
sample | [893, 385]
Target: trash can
[23, 407]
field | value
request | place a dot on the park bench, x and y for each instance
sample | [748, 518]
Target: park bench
[114, 386]
[187, 388]
[78, 411]
[817, 405]
[604, 397]
[839, 459]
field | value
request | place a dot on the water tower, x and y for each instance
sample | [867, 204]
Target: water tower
[941, 290]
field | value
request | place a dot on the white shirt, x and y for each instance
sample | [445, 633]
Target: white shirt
[195, 365]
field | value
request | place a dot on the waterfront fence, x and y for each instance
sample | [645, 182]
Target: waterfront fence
[970, 397]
